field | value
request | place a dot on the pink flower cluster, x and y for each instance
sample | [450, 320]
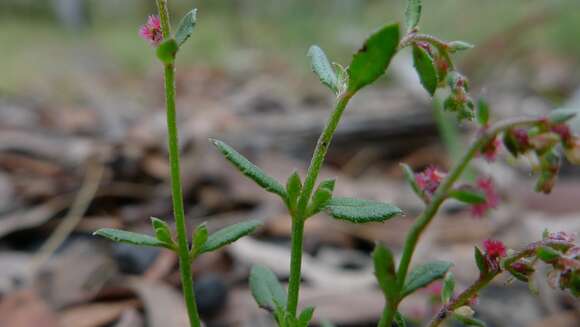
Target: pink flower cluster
[491, 198]
[490, 151]
[151, 31]
[494, 249]
[429, 180]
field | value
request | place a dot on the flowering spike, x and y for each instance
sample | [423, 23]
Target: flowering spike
[429, 180]
[151, 31]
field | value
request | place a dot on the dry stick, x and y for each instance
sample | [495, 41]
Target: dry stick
[77, 211]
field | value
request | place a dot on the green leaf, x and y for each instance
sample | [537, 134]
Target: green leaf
[266, 289]
[480, 260]
[123, 236]
[411, 180]
[468, 196]
[200, 236]
[323, 69]
[305, 317]
[563, 115]
[482, 112]
[361, 211]
[249, 169]
[448, 287]
[372, 60]
[321, 197]
[162, 231]
[293, 189]
[229, 235]
[385, 271]
[547, 254]
[424, 275]
[413, 13]
[426, 69]
[166, 51]
[400, 320]
[468, 321]
[185, 28]
[456, 46]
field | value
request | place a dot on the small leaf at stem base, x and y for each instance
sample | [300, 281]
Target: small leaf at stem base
[266, 289]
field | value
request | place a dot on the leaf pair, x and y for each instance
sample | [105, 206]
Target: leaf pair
[368, 64]
[167, 50]
[270, 295]
[353, 210]
[202, 243]
[420, 277]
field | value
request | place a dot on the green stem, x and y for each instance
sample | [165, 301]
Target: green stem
[462, 299]
[441, 194]
[299, 218]
[388, 315]
[176, 189]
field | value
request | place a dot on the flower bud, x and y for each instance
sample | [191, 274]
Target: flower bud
[572, 152]
[465, 311]
[544, 142]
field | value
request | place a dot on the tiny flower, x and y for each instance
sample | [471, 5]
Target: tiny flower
[490, 151]
[429, 179]
[522, 137]
[562, 236]
[151, 31]
[435, 288]
[494, 249]
[491, 198]
[572, 151]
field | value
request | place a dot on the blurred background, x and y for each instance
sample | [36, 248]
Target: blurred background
[82, 146]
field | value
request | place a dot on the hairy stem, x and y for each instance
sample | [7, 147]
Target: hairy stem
[176, 189]
[441, 194]
[299, 218]
[462, 299]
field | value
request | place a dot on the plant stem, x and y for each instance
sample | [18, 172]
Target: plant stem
[441, 194]
[176, 189]
[463, 298]
[299, 218]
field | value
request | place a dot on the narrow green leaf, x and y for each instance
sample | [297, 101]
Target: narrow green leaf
[482, 112]
[455, 46]
[426, 69]
[123, 236]
[166, 51]
[229, 235]
[321, 197]
[361, 211]
[468, 196]
[249, 169]
[185, 28]
[305, 317]
[266, 289]
[560, 116]
[372, 60]
[424, 275]
[413, 13]
[162, 231]
[448, 287]
[322, 68]
[385, 271]
[400, 320]
[293, 189]
[480, 260]
[468, 321]
[411, 180]
[200, 236]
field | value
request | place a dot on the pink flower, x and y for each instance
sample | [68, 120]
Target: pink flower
[522, 137]
[564, 132]
[151, 31]
[435, 288]
[491, 198]
[490, 151]
[494, 249]
[429, 179]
